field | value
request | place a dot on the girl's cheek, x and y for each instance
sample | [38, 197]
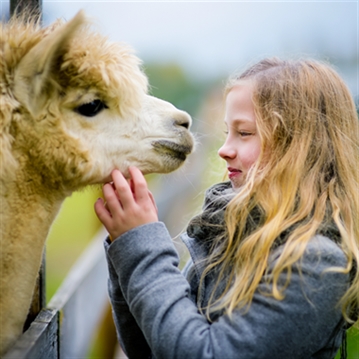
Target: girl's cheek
[252, 156]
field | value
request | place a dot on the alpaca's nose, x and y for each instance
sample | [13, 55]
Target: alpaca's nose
[183, 119]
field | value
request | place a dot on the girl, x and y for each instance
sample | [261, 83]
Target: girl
[273, 254]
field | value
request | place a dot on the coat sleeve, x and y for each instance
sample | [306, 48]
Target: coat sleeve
[130, 336]
[146, 264]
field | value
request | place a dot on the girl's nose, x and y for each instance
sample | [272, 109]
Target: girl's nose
[226, 152]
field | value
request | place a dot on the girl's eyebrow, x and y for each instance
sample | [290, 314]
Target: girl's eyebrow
[242, 120]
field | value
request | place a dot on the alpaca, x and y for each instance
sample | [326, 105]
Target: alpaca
[73, 107]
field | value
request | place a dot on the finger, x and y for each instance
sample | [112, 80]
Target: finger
[140, 187]
[114, 188]
[130, 183]
[153, 200]
[102, 213]
[123, 188]
[113, 203]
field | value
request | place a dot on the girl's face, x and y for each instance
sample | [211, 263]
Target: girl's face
[242, 146]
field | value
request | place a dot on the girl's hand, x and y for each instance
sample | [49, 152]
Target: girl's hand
[129, 203]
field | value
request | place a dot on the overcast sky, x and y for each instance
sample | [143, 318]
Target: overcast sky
[212, 39]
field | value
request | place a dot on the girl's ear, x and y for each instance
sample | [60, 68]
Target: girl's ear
[32, 78]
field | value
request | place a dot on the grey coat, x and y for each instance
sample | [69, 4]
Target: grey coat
[155, 308]
[156, 313]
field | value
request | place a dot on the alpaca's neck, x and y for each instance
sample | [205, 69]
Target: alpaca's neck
[26, 216]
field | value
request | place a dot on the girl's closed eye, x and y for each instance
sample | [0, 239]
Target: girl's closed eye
[241, 133]
[245, 133]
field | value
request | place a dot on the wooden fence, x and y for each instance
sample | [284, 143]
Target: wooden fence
[65, 327]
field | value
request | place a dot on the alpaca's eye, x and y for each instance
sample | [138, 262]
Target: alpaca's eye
[91, 109]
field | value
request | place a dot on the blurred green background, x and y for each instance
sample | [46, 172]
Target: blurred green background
[77, 224]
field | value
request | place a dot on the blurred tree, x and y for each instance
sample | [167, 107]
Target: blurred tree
[170, 82]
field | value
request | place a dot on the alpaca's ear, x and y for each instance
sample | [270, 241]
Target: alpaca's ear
[33, 74]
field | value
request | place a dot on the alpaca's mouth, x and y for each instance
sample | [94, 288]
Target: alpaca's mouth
[172, 149]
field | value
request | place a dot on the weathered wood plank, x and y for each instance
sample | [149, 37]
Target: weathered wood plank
[40, 341]
[81, 301]
[39, 296]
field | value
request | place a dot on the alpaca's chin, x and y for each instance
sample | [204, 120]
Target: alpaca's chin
[172, 150]
[172, 161]
[171, 154]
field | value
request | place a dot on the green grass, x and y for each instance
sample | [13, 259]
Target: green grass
[72, 230]
[352, 343]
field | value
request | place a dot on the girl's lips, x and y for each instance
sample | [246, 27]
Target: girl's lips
[233, 172]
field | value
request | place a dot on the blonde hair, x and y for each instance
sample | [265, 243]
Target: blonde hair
[306, 177]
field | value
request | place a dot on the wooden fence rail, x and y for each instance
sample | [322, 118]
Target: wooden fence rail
[65, 328]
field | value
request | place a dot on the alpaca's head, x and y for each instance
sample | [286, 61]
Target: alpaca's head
[75, 106]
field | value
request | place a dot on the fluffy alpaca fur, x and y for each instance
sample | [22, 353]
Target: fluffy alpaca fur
[73, 107]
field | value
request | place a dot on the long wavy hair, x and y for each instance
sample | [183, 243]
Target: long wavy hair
[306, 176]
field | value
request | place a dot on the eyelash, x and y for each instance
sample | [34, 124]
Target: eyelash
[241, 133]
[244, 133]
